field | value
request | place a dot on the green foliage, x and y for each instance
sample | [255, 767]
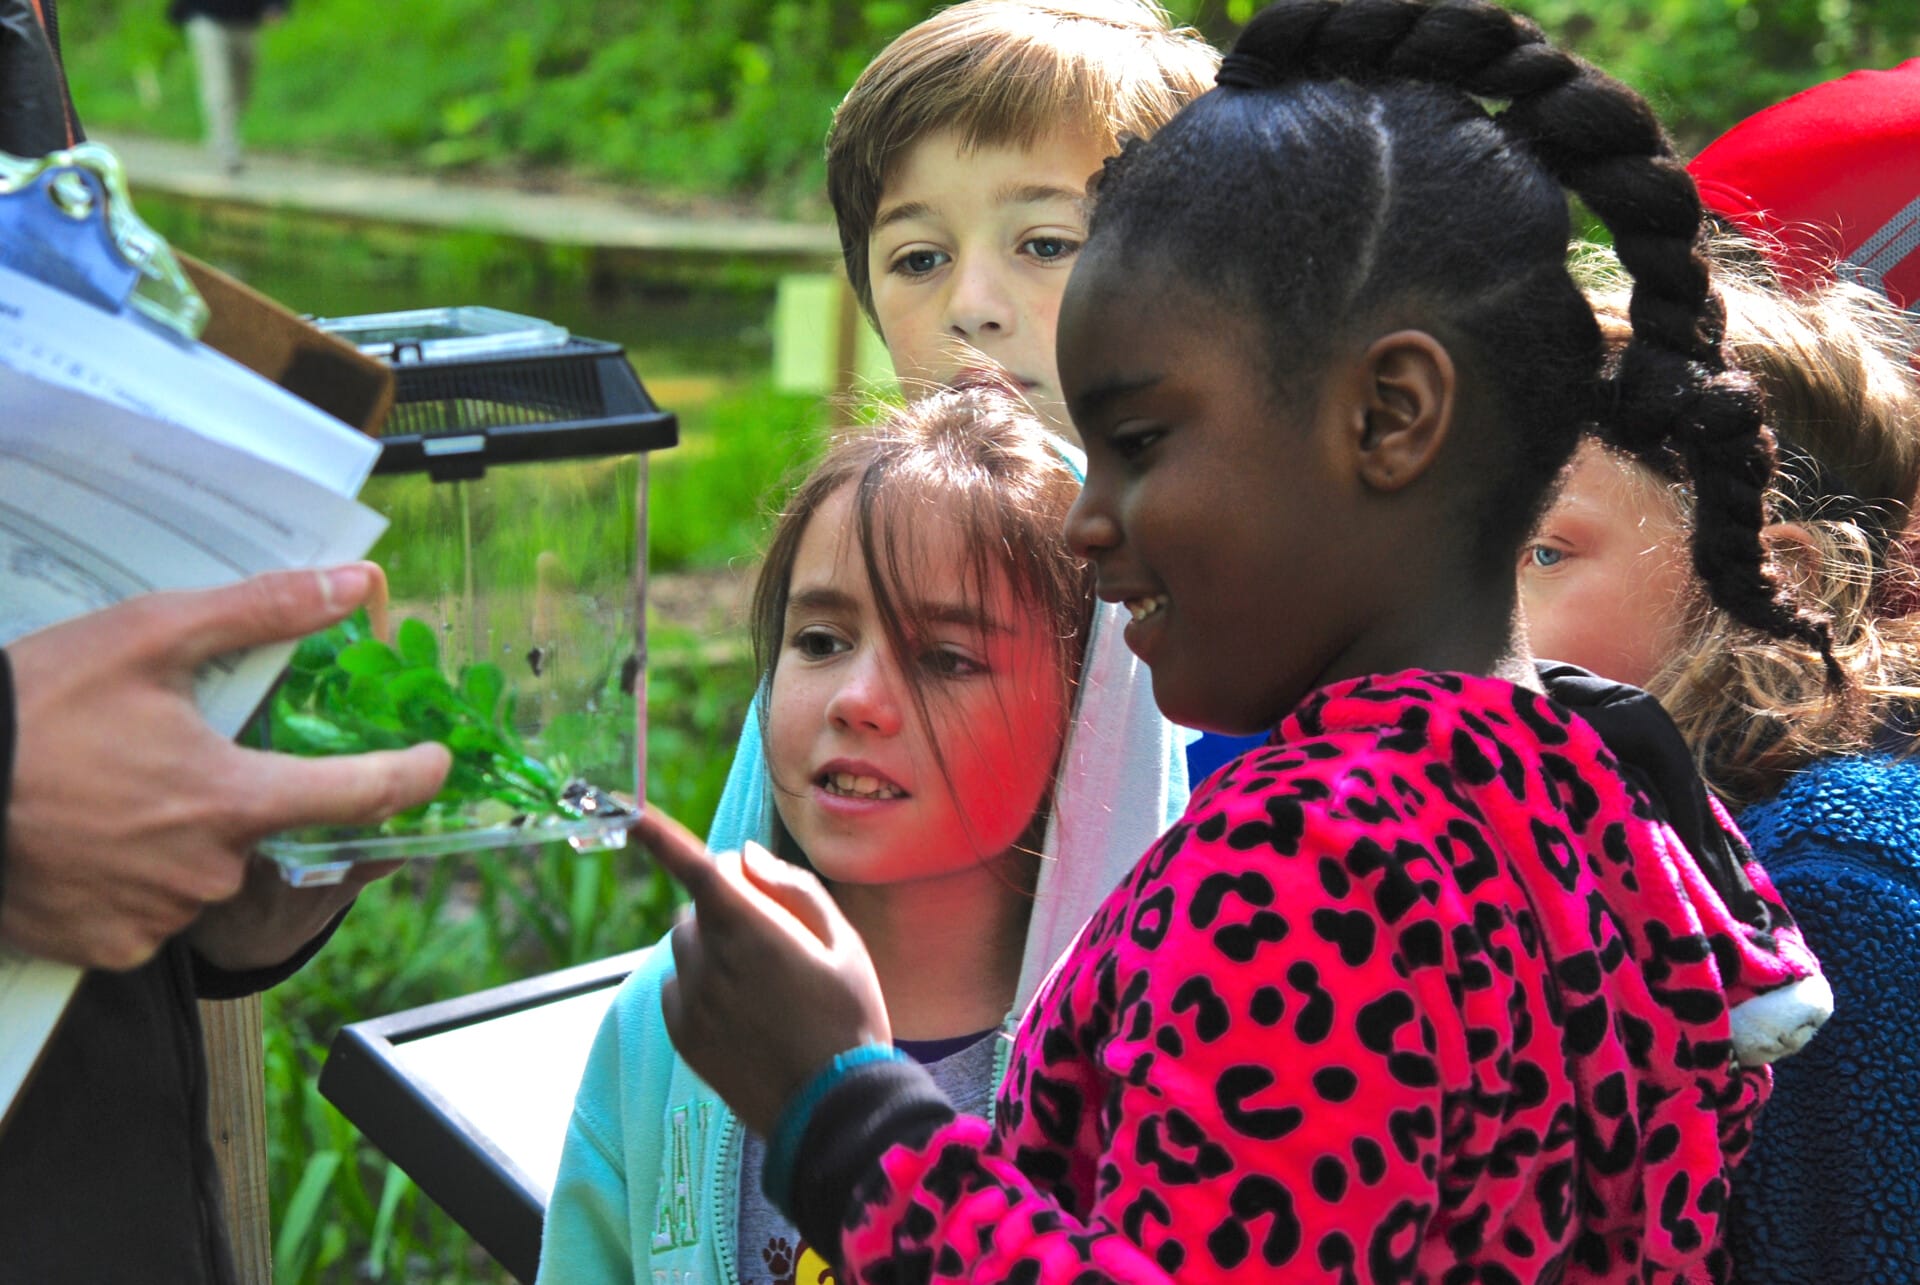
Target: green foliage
[733, 97]
[347, 692]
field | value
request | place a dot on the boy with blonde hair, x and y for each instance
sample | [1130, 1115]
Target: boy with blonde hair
[958, 167]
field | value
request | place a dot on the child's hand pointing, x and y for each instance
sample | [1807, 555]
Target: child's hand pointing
[770, 982]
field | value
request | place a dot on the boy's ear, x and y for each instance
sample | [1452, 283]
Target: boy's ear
[1404, 408]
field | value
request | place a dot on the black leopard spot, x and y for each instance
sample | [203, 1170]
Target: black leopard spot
[1406, 1128]
[1469, 762]
[1673, 1215]
[1336, 1251]
[1238, 1083]
[1315, 1021]
[1251, 887]
[1210, 1016]
[1334, 878]
[1662, 1143]
[1415, 1070]
[1335, 1083]
[1553, 1189]
[1267, 1006]
[1410, 734]
[1480, 863]
[1394, 1248]
[1329, 1179]
[1580, 972]
[1170, 1256]
[1151, 920]
[1254, 1197]
[1371, 1159]
[950, 1263]
[1240, 942]
[1056, 1107]
[1557, 854]
[1378, 1021]
[1352, 931]
[1423, 945]
[1442, 779]
[1586, 1026]
[1169, 1042]
[1286, 822]
[1466, 1237]
[1212, 828]
[1539, 717]
[1133, 1218]
[1517, 1242]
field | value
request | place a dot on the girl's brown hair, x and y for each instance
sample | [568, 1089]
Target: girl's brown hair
[1843, 400]
[978, 456]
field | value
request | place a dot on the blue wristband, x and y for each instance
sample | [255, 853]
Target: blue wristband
[783, 1147]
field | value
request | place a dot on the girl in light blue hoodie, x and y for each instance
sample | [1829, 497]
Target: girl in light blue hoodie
[954, 736]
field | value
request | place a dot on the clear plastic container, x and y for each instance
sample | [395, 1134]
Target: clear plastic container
[442, 334]
[516, 485]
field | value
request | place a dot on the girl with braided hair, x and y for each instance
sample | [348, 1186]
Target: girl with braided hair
[1447, 981]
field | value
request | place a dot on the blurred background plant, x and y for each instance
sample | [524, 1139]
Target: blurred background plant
[697, 100]
[708, 106]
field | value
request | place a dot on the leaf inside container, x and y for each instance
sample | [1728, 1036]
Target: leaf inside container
[347, 692]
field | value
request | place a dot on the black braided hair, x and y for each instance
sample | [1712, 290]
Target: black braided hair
[1355, 180]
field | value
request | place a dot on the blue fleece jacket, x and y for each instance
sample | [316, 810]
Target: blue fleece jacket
[1831, 1189]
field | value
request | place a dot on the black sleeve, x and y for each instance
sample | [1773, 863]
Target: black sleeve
[36, 113]
[213, 982]
[874, 1107]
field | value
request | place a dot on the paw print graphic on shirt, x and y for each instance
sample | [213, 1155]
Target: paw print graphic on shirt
[779, 1257]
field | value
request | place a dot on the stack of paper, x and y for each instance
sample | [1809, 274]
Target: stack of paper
[133, 460]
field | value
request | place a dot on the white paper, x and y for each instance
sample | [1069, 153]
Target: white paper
[33, 994]
[57, 338]
[98, 503]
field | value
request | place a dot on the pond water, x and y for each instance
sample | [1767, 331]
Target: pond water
[675, 318]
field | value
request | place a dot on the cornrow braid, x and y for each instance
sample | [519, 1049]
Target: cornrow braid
[1598, 139]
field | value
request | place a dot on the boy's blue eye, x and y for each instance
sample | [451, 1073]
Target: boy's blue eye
[1049, 248]
[917, 263]
[1545, 556]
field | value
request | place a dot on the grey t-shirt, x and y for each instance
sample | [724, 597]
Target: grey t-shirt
[770, 1252]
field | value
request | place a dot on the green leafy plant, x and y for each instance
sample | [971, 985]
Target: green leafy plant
[346, 691]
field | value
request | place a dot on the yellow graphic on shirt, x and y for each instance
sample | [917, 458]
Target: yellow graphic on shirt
[813, 1269]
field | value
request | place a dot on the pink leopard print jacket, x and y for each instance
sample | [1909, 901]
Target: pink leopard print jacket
[1417, 992]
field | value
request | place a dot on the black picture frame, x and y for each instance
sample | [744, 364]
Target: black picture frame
[415, 1120]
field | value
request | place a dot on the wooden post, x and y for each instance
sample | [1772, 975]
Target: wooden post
[237, 1121]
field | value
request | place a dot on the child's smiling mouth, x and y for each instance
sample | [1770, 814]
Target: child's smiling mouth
[1142, 608]
[856, 785]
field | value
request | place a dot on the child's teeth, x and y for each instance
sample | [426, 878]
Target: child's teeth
[1141, 608]
[868, 786]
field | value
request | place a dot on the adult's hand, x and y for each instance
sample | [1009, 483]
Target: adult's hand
[128, 812]
[270, 919]
[770, 980]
